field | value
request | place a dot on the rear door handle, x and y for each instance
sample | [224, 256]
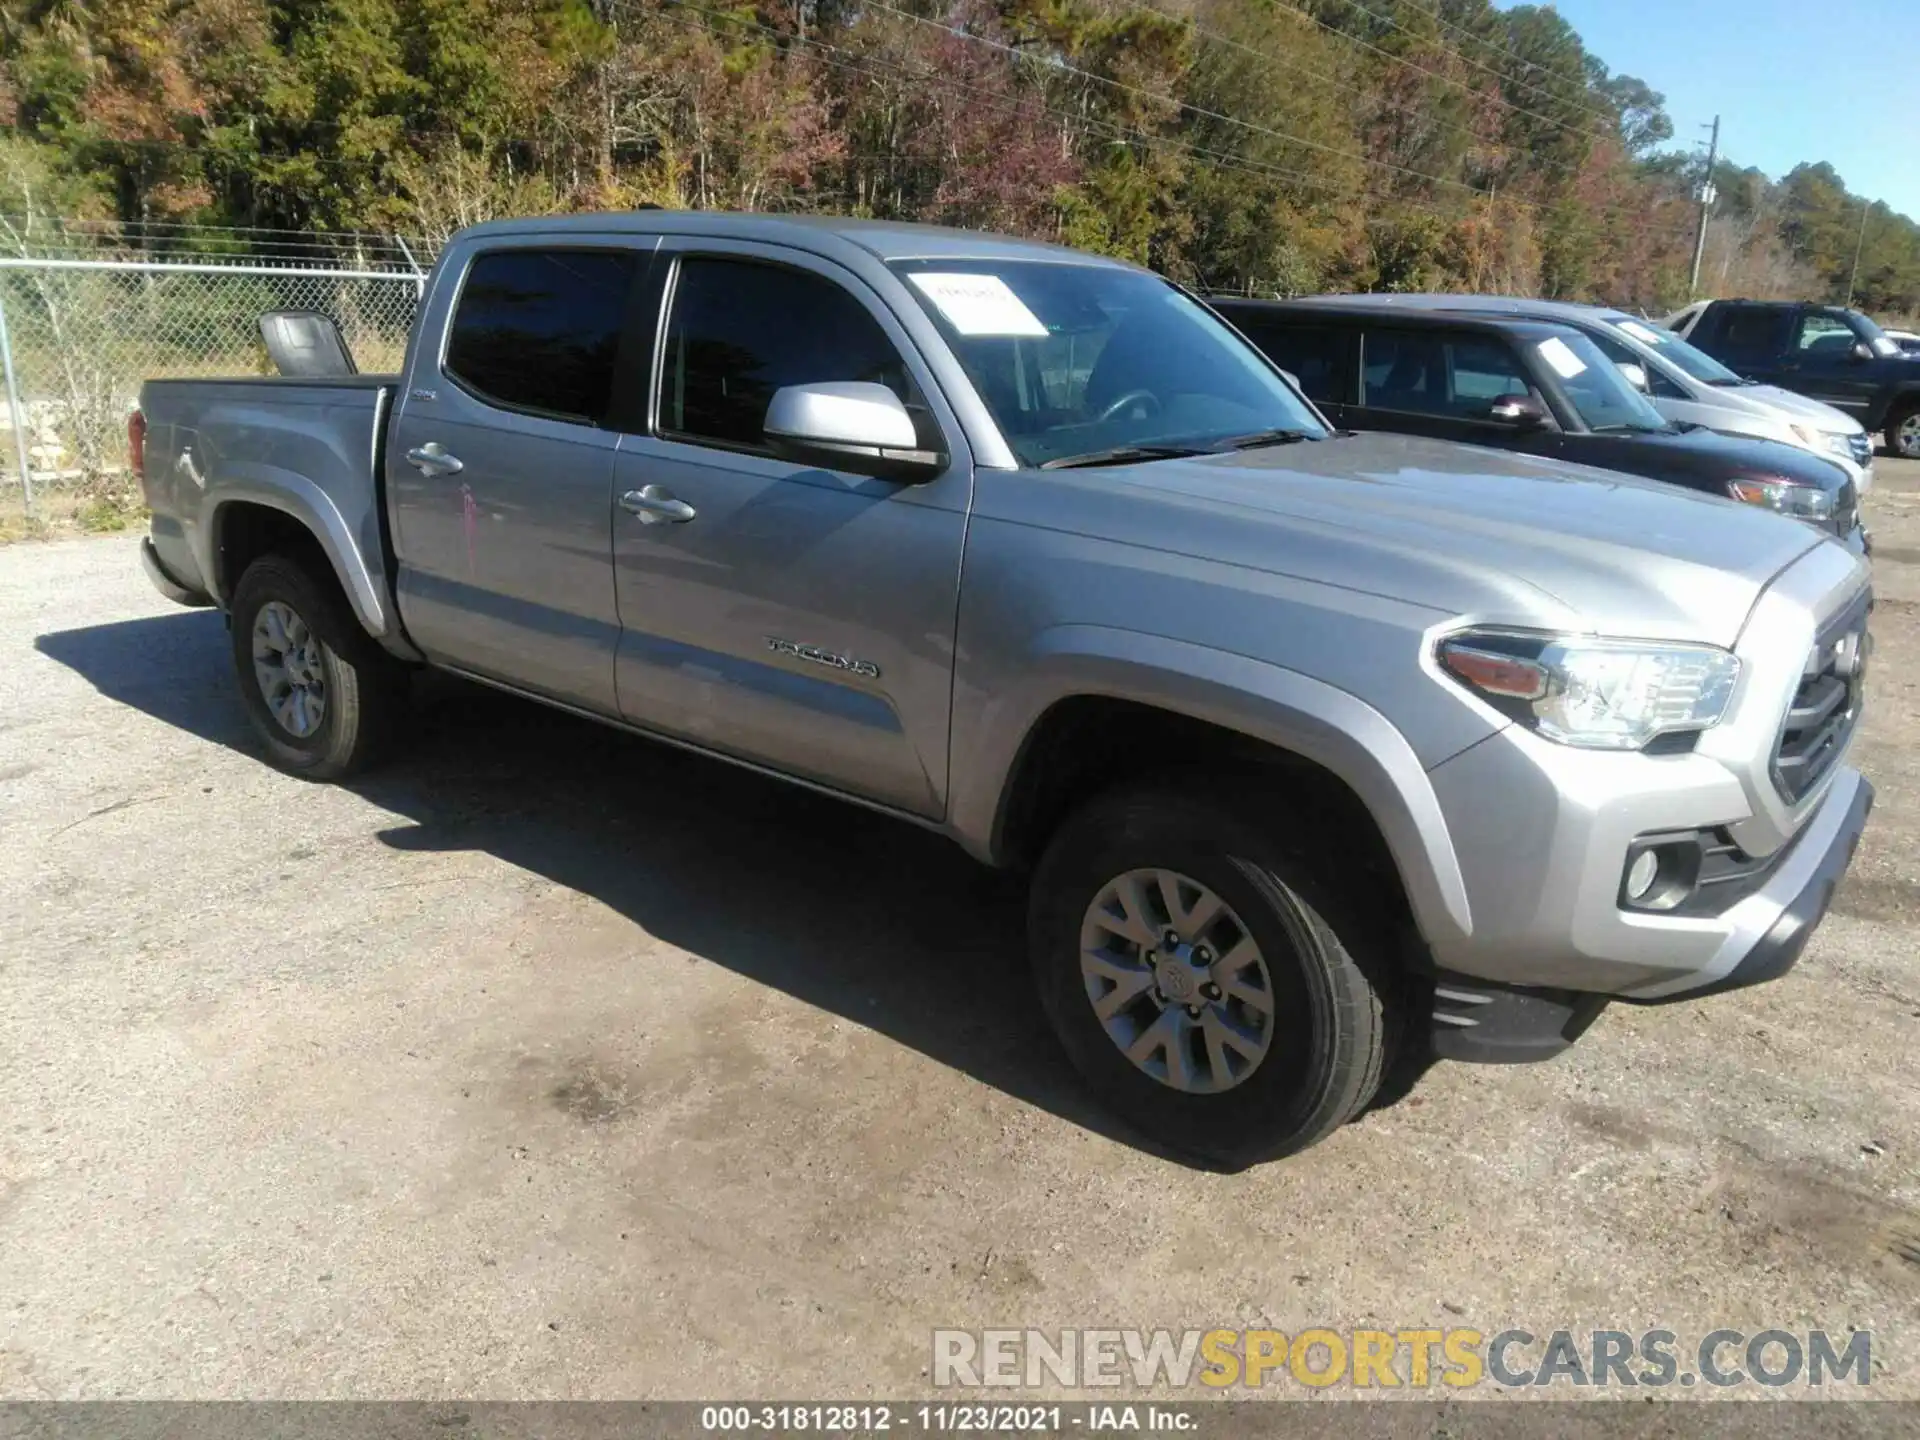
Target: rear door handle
[430, 459]
[656, 505]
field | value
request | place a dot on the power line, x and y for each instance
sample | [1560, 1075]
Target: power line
[1287, 62]
[1494, 45]
[1388, 55]
[1585, 109]
[1156, 96]
[1104, 129]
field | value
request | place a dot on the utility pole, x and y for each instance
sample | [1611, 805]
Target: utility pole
[1866, 206]
[1706, 205]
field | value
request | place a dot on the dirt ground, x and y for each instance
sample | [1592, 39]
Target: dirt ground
[547, 1063]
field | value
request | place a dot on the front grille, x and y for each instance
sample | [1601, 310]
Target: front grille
[1826, 704]
[1861, 447]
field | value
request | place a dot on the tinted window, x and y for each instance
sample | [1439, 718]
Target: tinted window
[1076, 359]
[1312, 354]
[538, 329]
[742, 330]
[1430, 373]
[1751, 330]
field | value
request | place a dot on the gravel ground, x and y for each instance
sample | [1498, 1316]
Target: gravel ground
[548, 1063]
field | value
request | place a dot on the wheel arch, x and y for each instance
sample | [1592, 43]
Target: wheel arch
[254, 515]
[1101, 699]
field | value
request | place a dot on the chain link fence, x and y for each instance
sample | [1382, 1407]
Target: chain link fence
[81, 335]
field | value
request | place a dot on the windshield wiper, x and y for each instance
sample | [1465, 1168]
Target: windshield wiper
[1258, 438]
[1736, 381]
[1123, 455]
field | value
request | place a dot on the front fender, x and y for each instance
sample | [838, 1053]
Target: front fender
[1294, 712]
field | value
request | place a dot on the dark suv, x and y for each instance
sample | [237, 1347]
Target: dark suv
[1829, 353]
[1527, 385]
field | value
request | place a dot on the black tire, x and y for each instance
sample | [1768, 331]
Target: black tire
[1329, 942]
[1907, 448]
[364, 687]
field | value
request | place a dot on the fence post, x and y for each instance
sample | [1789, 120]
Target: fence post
[15, 414]
[419, 275]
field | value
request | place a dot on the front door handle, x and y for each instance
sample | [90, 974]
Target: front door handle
[430, 459]
[656, 505]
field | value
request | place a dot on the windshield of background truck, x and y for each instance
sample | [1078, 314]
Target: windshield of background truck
[1075, 360]
[1671, 348]
[1867, 330]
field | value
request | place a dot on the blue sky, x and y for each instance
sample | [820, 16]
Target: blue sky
[1791, 80]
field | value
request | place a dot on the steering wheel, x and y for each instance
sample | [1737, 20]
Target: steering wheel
[1132, 397]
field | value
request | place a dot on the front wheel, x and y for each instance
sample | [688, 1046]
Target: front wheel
[319, 690]
[1219, 989]
[1903, 431]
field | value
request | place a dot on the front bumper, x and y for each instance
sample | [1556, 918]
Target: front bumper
[1491, 1023]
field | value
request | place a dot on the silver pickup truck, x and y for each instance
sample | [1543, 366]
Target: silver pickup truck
[1326, 753]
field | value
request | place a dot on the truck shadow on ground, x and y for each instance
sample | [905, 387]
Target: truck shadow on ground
[865, 917]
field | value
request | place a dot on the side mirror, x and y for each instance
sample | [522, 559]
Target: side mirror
[1861, 351]
[1636, 376]
[1292, 379]
[849, 425]
[1521, 410]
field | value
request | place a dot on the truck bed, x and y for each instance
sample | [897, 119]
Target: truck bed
[308, 447]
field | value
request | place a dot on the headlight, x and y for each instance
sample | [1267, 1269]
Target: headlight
[1597, 694]
[1803, 502]
[1830, 441]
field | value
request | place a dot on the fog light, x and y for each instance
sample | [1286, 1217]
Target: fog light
[1641, 875]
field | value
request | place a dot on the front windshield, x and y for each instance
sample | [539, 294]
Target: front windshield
[1594, 387]
[1867, 330]
[1079, 361]
[1670, 347]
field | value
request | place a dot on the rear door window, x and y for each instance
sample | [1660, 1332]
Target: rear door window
[538, 330]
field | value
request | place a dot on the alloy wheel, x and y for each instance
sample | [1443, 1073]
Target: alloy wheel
[1177, 981]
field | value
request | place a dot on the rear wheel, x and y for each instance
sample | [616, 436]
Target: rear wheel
[1219, 987]
[1903, 431]
[319, 690]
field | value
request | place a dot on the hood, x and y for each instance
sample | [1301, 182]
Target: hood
[1803, 409]
[1715, 456]
[1481, 534]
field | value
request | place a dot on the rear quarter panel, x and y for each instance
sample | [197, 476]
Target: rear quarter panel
[306, 448]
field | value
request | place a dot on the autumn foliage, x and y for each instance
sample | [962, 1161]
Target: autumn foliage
[1274, 145]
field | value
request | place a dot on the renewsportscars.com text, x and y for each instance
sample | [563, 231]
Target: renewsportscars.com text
[1458, 1358]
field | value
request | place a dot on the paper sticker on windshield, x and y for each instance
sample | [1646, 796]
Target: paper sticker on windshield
[1646, 335]
[1554, 351]
[978, 304]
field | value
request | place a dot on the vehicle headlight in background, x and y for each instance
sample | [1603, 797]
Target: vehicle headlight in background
[1596, 694]
[1831, 442]
[1803, 502]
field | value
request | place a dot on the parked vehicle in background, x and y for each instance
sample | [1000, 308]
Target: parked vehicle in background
[1323, 751]
[1908, 342]
[1517, 384]
[1832, 354]
[1685, 384]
